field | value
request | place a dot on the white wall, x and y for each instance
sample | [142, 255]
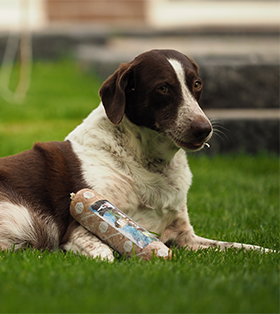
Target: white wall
[168, 13]
[16, 14]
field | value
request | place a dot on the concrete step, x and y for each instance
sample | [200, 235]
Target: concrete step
[244, 130]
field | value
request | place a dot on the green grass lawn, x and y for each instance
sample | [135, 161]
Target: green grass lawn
[60, 97]
[233, 198]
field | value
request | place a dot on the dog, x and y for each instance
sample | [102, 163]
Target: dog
[131, 149]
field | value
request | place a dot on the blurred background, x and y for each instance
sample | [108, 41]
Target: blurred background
[235, 43]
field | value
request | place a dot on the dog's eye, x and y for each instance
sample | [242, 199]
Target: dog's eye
[163, 89]
[197, 86]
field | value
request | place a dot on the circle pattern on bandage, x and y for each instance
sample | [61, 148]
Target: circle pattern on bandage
[127, 246]
[103, 227]
[162, 253]
[79, 207]
[88, 195]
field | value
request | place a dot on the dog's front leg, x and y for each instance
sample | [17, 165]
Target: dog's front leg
[181, 233]
[80, 240]
[200, 242]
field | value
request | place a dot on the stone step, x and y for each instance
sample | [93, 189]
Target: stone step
[240, 85]
[243, 114]
[245, 130]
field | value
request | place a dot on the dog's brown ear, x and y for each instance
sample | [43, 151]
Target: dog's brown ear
[112, 93]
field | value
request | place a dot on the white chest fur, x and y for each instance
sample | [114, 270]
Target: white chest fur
[135, 168]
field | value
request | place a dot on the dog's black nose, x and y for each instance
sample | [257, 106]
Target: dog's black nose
[200, 128]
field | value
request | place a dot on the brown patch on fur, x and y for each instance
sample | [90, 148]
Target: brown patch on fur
[41, 180]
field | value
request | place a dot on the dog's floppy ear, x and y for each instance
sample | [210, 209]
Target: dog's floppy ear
[112, 93]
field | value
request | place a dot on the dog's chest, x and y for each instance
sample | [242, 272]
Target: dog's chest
[130, 172]
[152, 198]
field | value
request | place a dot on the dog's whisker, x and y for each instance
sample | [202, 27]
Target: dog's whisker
[220, 134]
[216, 123]
[219, 130]
[219, 127]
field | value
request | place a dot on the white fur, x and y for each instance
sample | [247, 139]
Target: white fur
[189, 109]
[152, 198]
[17, 227]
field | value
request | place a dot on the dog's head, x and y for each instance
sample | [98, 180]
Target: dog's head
[160, 90]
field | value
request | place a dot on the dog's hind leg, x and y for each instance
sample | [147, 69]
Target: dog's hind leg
[202, 243]
[20, 227]
[181, 233]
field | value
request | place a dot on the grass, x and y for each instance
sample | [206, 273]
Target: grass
[233, 198]
[193, 282]
[60, 97]
[243, 191]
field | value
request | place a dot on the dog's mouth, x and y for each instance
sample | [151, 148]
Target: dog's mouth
[194, 145]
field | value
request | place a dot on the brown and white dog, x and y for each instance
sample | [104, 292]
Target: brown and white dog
[131, 149]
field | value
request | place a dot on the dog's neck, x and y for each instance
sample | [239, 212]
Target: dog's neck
[149, 147]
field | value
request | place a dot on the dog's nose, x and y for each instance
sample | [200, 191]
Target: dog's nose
[200, 127]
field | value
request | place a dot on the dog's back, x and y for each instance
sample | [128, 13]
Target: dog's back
[34, 195]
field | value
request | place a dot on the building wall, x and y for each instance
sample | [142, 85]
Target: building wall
[97, 11]
[18, 14]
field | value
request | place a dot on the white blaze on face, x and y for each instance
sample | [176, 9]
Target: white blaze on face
[189, 109]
